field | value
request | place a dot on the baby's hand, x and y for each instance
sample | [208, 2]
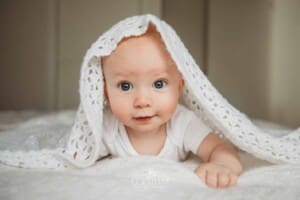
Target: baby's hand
[216, 175]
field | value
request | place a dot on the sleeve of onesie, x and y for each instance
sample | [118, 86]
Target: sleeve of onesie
[194, 134]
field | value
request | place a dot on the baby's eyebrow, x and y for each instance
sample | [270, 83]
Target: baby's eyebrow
[153, 72]
[122, 73]
[161, 74]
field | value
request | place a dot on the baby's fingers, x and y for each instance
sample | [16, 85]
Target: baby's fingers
[201, 172]
[208, 176]
[223, 180]
[215, 177]
[212, 179]
[232, 180]
[227, 180]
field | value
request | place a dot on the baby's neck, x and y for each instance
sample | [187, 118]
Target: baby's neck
[148, 143]
[145, 135]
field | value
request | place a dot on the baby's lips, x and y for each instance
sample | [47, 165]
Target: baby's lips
[143, 118]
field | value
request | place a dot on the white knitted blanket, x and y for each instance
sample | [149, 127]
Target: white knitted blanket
[82, 149]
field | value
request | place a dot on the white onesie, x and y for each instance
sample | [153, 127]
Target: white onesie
[185, 132]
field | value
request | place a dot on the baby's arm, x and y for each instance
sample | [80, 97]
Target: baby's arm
[221, 166]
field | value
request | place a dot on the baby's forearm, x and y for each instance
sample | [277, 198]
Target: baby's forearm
[226, 155]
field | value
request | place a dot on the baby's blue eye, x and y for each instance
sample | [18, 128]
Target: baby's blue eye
[125, 86]
[159, 84]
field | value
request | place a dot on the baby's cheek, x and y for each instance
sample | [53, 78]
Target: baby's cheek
[167, 106]
[120, 114]
[119, 109]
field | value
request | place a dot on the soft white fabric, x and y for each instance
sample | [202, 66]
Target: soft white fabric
[185, 132]
[131, 177]
[83, 146]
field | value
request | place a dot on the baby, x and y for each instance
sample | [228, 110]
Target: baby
[142, 89]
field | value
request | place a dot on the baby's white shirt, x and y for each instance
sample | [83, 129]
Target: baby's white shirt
[185, 132]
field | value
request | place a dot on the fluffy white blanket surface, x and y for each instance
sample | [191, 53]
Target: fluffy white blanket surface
[135, 177]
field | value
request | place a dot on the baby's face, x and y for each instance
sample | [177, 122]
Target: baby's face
[142, 83]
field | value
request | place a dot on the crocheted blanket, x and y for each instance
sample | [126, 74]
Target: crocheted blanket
[83, 149]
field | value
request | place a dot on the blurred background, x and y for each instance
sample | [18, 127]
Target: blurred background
[249, 49]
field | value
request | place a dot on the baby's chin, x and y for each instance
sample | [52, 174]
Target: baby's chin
[144, 127]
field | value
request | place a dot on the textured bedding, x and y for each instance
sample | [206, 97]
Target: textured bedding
[132, 177]
[146, 178]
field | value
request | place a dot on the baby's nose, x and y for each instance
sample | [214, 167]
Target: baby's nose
[142, 99]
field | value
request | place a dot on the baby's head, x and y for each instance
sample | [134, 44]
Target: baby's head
[142, 82]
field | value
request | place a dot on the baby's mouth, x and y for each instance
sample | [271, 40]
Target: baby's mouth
[144, 118]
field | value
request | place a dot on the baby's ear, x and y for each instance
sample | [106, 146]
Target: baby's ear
[105, 92]
[181, 84]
